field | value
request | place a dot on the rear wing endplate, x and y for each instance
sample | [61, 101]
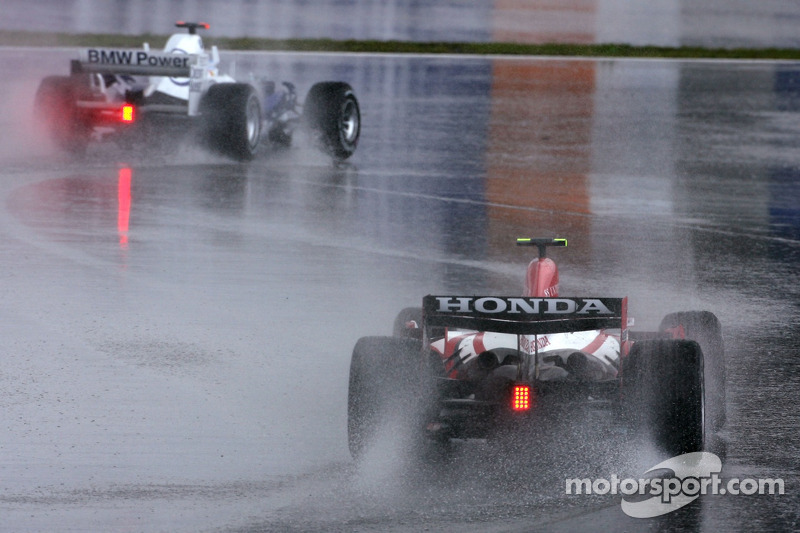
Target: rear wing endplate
[523, 315]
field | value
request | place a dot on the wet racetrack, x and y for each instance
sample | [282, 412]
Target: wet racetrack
[178, 327]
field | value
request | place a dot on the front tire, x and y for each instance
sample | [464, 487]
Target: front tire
[232, 120]
[331, 110]
[404, 319]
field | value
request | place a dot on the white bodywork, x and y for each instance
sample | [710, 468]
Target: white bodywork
[156, 72]
[554, 350]
[204, 68]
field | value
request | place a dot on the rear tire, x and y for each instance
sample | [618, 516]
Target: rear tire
[331, 110]
[383, 380]
[232, 120]
[703, 327]
[55, 107]
[663, 388]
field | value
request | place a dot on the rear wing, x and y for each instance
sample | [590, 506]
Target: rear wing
[136, 62]
[199, 68]
[523, 315]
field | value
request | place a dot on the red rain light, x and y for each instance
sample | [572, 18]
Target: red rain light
[127, 113]
[521, 398]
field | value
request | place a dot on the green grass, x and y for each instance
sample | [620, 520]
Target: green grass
[18, 38]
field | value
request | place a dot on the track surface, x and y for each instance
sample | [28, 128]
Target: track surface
[177, 328]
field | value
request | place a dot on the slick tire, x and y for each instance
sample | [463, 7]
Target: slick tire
[55, 108]
[232, 120]
[703, 327]
[664, 393]
[383, 378]
[331, 112]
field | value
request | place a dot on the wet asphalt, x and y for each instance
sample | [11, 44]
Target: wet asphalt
[178, 327]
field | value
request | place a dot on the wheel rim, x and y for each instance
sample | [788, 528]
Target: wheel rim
[253, 122]
[349, 122]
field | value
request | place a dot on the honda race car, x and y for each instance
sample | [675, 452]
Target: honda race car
[463, 367]
[132, 94]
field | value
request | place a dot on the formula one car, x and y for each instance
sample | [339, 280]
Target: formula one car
[131, 94]
[463, 367]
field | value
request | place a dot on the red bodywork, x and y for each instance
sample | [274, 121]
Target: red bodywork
[541, 278]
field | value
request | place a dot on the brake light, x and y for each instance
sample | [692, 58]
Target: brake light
[128, 113]
[521, 398]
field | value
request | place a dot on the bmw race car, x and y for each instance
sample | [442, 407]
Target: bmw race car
[463, 367]
[132, 94]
